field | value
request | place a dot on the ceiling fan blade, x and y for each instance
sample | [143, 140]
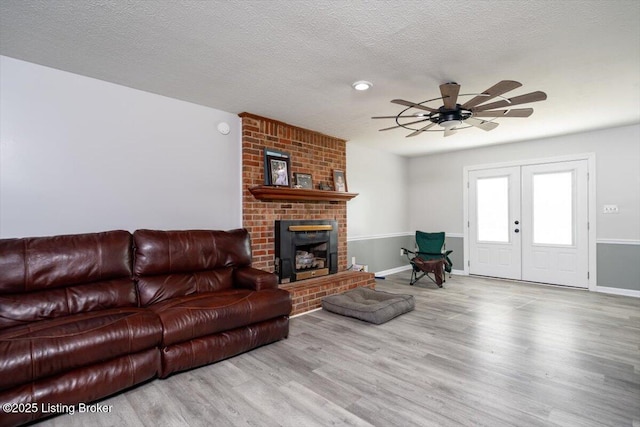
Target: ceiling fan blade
[449, 132]
[449, 93]
[413, 104]
[401, 117]
[482, 124]
[516, 100]
[419, 131]
[496, 90]
[405, 124]
[516, 112]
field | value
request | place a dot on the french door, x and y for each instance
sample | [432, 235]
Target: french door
[530, 223]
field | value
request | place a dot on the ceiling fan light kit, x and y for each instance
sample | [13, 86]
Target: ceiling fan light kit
[452, 116]
[450, 124]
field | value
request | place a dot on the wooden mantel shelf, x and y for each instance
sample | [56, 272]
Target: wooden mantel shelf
[266, 192]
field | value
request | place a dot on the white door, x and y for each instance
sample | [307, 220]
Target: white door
[494, 215]
[555, 223]
[530, 223]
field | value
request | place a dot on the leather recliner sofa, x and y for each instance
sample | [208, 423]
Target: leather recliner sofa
[85, 316]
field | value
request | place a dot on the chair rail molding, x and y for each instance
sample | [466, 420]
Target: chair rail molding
[618, 241]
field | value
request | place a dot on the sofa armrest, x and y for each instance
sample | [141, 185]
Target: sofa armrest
[252, 278]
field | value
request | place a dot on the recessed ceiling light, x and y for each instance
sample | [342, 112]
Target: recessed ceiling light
[362, 85]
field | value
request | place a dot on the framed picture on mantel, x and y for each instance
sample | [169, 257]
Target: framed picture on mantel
[339, 181]
[303, 180]
[277, 168]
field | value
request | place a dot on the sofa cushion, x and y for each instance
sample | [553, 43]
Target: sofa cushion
[50, 347]
[154, 289]
[48, 277]
[170, 264]
[39, 263]
[20, 309]
[196, 316]
[186, 251]
[215, 347]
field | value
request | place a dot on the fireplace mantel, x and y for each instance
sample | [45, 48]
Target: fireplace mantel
[266, 192]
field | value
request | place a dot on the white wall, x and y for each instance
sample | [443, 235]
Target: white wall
[81, 155]
[438, 179]
[380, 178]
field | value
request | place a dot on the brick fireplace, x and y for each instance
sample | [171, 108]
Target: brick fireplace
[311, 153]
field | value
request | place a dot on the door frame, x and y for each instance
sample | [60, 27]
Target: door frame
[591, 203]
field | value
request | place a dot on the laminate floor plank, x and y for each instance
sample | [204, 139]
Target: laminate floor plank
[478, 352]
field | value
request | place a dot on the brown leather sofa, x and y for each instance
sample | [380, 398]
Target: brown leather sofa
[85, 316]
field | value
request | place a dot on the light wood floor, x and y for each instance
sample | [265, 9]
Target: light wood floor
[479, 352]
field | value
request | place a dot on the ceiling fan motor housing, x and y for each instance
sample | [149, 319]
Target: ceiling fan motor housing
[446, 115]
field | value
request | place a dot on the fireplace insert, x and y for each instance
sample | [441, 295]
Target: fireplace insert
[305, 249]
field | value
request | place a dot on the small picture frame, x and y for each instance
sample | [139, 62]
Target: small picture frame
[303, 180]
[277, 168]
[339, 181]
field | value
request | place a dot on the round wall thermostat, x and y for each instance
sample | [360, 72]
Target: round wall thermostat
[224, 128]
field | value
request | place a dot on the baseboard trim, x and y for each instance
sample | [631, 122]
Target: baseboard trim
[408, 267]
[618, 291]
[392, 270]
[306, 312]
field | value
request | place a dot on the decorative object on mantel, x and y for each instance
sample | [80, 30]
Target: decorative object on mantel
[265, 192]
[303, 180]
[277, 169]
[339, 180]
[324, 186]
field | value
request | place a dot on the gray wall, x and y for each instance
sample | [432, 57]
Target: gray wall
[383, 253]
[619, 266]
[456, 244]
[380, 254]
[80, 155]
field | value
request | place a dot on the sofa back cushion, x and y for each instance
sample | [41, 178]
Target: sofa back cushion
[178, 263]
[48, 277]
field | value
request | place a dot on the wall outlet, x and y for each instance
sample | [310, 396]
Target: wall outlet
[401, 252]
[610, 209]
[353, 260]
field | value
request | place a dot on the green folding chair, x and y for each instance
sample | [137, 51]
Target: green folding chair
[431, 256]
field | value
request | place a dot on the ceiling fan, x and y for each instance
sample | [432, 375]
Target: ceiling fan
[452, 116]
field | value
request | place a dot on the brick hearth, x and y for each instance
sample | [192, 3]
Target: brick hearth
[307, 294]
[313, 153]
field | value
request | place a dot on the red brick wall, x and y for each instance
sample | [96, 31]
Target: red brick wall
[311, 152]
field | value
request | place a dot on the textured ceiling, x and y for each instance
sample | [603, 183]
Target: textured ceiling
[294, 61]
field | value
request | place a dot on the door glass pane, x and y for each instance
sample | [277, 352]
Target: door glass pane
[493, 209]
[553, 208]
